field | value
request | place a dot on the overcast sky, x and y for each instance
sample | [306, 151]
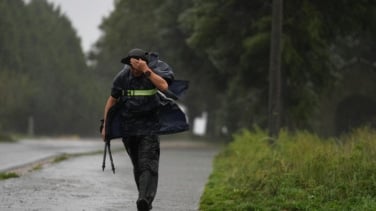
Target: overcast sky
[86, 16]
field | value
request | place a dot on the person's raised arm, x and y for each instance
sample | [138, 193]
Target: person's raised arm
[157, 80]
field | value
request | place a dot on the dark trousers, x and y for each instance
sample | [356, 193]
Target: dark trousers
[144, 153]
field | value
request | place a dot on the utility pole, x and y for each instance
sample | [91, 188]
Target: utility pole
[30, 126]
[274, 110]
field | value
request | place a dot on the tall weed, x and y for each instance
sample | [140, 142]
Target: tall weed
[301, 172]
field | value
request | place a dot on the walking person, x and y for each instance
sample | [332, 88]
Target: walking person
[136, 92]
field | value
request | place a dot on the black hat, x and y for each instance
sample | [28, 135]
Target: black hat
[135, 53]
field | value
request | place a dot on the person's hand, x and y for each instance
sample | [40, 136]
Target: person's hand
[103, 133]
[139, 64]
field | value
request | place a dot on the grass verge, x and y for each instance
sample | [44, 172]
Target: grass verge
[302, 172]
[8, 175]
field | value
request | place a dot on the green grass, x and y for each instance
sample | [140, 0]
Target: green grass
[61, 158]
[302, 172]
[37, 167]
[8, 175]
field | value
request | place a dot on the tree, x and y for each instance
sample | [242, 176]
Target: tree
[43, 68]
[223, 48]
[235, 35]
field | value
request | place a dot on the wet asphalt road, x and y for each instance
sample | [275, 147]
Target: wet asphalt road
[80, 184]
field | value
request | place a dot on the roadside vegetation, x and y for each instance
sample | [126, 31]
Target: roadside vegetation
[6, 138]
[8, 175]
[301, 172]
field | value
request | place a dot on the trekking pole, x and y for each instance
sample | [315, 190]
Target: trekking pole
[104, 157]
[109, 152]
[107, 147]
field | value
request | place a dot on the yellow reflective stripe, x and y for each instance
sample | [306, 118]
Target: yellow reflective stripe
[142, 92]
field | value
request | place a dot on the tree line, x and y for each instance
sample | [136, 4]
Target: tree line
[43, 72]
[222, 47]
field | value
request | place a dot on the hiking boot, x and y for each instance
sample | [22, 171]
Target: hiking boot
[143, 205]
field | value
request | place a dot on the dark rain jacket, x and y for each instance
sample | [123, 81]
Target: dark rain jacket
[152, 115]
